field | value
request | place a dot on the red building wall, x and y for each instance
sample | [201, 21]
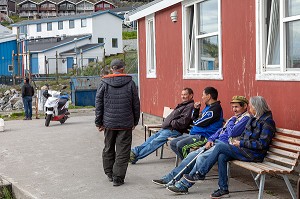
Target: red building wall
[238, 63]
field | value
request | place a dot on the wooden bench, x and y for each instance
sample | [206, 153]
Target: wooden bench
[154, 128]
[282, 158]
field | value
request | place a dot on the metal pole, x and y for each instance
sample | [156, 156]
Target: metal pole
[81, 56]
[13, 67]
[56, 67]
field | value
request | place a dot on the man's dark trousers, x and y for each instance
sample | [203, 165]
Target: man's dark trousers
[116, 152]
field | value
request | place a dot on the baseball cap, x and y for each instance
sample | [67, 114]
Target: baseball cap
[117, 64]
[237, 99]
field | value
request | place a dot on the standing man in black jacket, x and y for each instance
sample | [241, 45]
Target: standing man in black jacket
[27, 93]
[174, 125]
[117, 113]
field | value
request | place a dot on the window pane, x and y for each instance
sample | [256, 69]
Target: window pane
[71, 24]
[208, 53]
[115, 43]
[100, 40]
[208, 16]
[273, 45]
[60, 25]
[49, 26]
[292, 7]
[293, 44]
[38, 27]
[151, 45]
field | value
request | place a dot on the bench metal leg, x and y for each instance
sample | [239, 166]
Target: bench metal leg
[145, 133]
[162, 152]
[255, 178]
[228, 172]
[176, 161]
[289, 186]
[261, 186]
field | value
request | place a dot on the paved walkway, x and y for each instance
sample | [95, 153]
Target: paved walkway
[64, 162]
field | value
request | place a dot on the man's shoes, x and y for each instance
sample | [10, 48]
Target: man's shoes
[25, 118]
[220, 194]
[160, 182]
[178, 189]
[109, 177]
[193, 178]
[132, 159]
[29, 118]
[118, 181]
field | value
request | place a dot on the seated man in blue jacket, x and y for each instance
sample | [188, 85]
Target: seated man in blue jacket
[233, 128]
[173, 126]
[206, 123]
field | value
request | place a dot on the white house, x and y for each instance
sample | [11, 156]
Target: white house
[72, 52]
[77, 39]
[105, 27]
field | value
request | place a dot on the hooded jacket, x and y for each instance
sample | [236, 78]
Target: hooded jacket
[117, 102]
[180, 118]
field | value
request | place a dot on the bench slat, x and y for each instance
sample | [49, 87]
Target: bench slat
[289, 147]
[268, 168]
[284, 153]
[152, 125]
[289, 132]
[288, 139]
[281, 159]
[249, 166]
[286, 169]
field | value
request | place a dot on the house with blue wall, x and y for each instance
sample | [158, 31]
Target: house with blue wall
[8, 44]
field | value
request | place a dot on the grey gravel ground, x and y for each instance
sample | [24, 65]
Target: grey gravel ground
[64, 161]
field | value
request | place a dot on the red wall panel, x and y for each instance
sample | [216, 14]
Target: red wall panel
[238, 63]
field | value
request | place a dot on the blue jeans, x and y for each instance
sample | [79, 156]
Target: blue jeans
[186, 161]
[154, 142]
[27, 101]
[181, 145]
[221, 153]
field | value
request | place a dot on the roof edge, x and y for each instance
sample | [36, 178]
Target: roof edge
[152, 9]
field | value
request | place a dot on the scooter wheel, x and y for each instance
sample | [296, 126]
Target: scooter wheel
[48, 118]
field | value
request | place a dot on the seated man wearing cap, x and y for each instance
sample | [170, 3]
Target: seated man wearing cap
[233, 128]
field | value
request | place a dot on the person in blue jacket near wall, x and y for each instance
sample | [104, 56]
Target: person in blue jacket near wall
[206, 123]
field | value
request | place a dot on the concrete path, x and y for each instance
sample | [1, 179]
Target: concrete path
[64, 162]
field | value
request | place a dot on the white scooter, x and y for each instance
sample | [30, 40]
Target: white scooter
[56, 106]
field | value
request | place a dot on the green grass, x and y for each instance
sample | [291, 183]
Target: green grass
[129, 35]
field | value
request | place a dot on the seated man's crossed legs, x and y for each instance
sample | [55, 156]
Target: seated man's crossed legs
[151, 144]
[182, 144]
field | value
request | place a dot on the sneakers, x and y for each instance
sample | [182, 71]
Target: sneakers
[160, 182]
[118, 182]
[178, 188]
[193, 178]
[220, 194]
[132, 159]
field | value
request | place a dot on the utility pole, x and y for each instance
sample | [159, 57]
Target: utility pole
[56, 56]
[81, 56]
[13, 66]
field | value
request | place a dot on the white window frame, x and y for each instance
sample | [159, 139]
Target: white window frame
[150, 59]
[83, 23]
[272, 72]
[205, 74]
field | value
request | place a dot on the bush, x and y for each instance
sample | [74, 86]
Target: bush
[129, 35]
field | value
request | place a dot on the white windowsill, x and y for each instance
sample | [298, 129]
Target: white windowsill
[203, 76]
[278, 76]
[151, 75]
